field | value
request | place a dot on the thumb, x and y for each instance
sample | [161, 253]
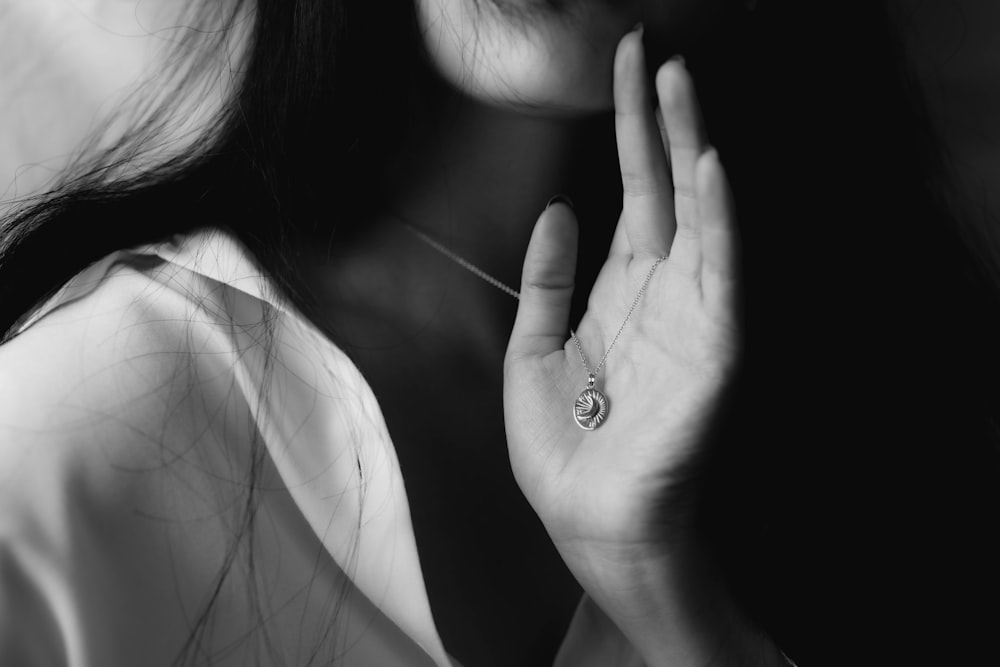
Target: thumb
[546, 283]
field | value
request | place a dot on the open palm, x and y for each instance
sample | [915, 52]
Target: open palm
[595, 491]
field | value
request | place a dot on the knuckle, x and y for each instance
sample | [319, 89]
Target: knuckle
[637, 185]
[687, 230]
[628, 113]
[685, 192]
[544, 278]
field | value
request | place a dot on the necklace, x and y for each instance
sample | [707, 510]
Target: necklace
[591, 407]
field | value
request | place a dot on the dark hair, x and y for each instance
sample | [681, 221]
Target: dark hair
[284, 156]
[294, 150]
[850, 498]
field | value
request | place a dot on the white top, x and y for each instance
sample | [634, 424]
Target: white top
[128, 409]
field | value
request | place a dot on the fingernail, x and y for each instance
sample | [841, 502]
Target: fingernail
[639, 28]
[564, 199]
[678, 58]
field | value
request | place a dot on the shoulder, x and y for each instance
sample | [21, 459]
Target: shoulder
[139, 419]
[103, 365]
[169, 352]
[119, 470]
[134, 334]
[127, 374]
[173, 357]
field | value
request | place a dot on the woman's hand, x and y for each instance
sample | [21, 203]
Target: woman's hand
[596, 491]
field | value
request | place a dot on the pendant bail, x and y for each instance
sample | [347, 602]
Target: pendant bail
[590, 381]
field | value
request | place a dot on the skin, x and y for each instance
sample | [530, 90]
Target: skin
[537, 59]
[596, 491]
[490, 152]
[487, 175]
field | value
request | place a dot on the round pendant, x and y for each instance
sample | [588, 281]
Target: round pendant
[590, 409]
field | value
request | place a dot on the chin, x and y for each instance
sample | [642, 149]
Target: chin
[544, 88]
[558, 64]
[551, 57]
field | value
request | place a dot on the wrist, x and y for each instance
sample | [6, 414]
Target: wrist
[674, 610]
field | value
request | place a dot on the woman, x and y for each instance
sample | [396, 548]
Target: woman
[195, 473]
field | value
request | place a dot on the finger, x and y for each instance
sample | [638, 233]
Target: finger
[663, 135]
[685, 131]
[648, 206]
[619, 242]
[719, 242]
[686, 141]
[546, 285]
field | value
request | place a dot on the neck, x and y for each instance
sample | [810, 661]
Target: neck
[476, 177]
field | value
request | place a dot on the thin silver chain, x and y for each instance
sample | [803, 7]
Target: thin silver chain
[475, 270]
[628, 316]
[464, 263]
